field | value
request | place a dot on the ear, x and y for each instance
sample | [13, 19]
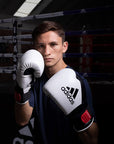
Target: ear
[65, 46]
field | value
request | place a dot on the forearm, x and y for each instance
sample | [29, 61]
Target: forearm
[90, 136]
[23, 113]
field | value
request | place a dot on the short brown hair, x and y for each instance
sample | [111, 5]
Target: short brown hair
[46, 26]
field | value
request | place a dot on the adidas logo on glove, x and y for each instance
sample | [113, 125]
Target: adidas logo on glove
[65, 90]
[70, 93]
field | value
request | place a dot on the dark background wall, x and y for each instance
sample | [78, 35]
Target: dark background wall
[91, 52]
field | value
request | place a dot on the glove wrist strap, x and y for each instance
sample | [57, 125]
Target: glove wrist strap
[20, 97]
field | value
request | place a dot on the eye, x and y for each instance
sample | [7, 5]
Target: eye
[39, 46]
[53, 44]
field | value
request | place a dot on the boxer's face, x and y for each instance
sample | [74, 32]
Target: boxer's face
[50, 45]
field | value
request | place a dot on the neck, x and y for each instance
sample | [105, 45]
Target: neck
[50, 71]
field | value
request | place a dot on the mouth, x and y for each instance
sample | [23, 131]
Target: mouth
[47, 59]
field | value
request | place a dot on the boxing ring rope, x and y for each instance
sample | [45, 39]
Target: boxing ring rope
[81, 32]
[58, 14]
[14, 38]
[98, 54]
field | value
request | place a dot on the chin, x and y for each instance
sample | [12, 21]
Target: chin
[48, 65]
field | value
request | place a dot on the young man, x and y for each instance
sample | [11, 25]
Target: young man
[60, 97]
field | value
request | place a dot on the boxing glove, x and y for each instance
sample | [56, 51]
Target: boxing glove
[66, 91]
[30, 66]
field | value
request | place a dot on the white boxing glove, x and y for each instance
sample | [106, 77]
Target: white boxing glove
[66, 91]
[30, 65]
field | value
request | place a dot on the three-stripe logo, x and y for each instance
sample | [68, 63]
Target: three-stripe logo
[70, 92]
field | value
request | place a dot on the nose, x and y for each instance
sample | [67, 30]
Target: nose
[47, 51]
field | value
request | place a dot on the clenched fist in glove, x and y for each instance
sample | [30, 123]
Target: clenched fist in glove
[67, 91]
[30, 66]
